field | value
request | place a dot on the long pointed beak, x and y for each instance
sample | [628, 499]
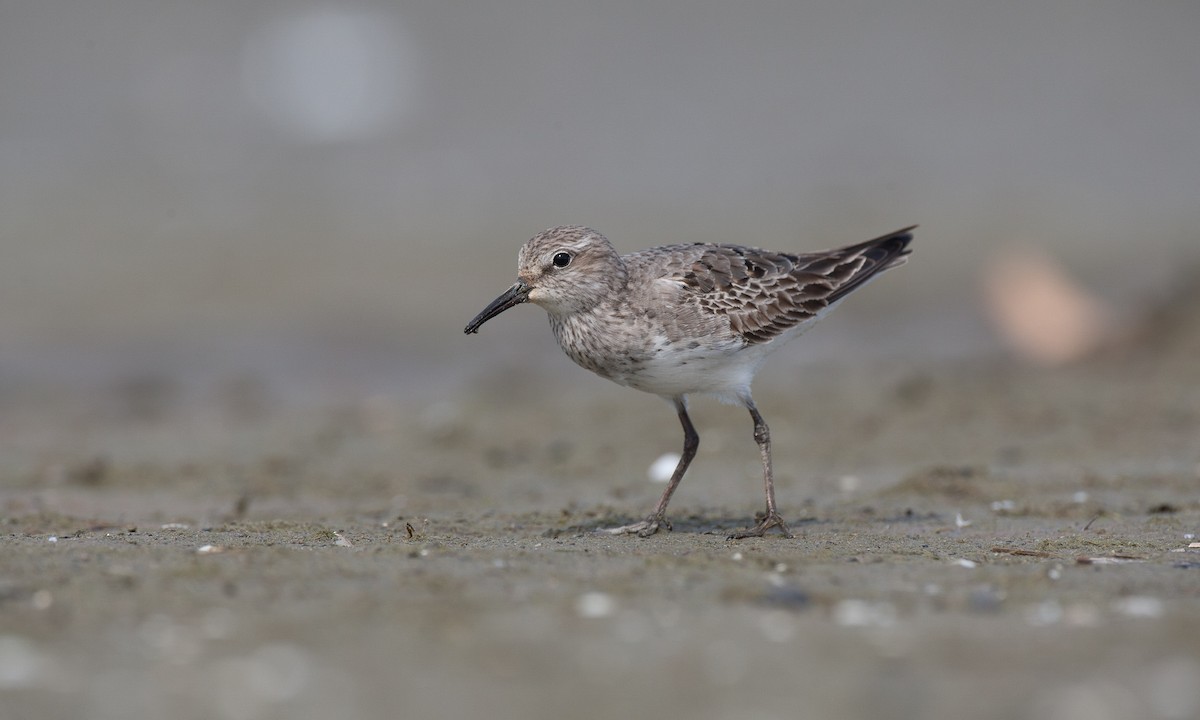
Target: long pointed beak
[513, 296]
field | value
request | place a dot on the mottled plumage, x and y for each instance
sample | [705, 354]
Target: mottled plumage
[682, 319]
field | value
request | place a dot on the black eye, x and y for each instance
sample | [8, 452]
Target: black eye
[561, 260]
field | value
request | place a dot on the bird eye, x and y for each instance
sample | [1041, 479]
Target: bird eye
[561, 260]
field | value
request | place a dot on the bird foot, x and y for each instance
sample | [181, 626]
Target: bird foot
[770, 520]
[645, 528]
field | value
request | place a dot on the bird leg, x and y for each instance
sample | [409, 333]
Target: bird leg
[658, 518]
[762, 436]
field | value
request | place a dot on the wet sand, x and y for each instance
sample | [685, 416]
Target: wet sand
[973, 539]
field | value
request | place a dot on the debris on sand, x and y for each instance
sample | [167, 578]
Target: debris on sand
[1023, 552]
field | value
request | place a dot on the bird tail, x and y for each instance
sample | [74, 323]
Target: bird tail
[882, 253]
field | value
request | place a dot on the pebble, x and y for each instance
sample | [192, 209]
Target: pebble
[595, 605]
[660, 470]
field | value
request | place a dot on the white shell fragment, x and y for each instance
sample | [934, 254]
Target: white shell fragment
[595, 605]
[661, 469]
[1044, 613]
[1139, 606]
[861, 613]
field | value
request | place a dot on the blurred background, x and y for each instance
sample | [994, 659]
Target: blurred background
[306, 199]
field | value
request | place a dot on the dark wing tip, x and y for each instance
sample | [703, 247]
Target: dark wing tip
[882, 253]
[893, 249]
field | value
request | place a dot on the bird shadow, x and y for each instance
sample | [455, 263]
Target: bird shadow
[693, 524]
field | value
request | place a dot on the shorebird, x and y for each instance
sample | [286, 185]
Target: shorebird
[683, 319]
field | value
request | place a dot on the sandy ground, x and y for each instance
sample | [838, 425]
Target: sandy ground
[973, 539]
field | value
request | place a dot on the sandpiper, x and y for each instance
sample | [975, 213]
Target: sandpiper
[682, 319]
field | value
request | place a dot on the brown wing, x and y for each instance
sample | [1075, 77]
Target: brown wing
[765, 293]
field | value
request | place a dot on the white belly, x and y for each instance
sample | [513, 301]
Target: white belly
[725, 374]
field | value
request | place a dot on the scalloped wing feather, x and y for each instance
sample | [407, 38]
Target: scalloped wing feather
[763, 294]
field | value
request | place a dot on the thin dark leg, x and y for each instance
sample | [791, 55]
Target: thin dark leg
[658, 518]
[691, 443]
[762, 436]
